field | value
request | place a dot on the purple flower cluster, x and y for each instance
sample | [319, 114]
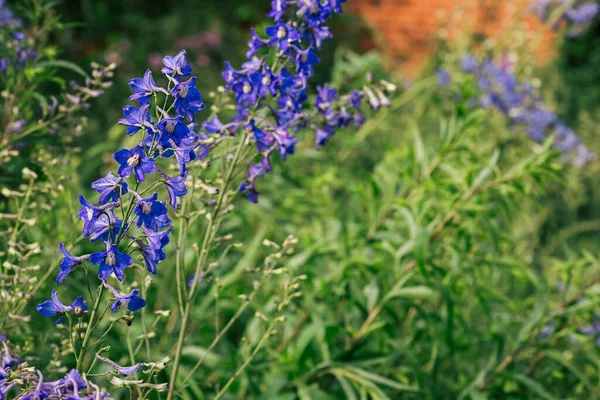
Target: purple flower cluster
[18, 380]
[15, 50]
[145, 225]
[577, 15]
[500, 89]
[270, 89]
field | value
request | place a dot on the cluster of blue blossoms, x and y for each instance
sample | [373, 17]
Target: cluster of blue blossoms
[577, 15]
[500, 89]
[271, 87]
[14, 50]
[270, 99]
[271, 95]
[16, 375]
[167, 137]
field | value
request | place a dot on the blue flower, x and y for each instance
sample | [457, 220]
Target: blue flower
[443, 77]
[136, 118]
[152, 213]
[134, 160]
[54, 306]
[143, 88]
[255, 44]
[158, 241]
[278, 8]
[285, 141]
[188, 99]
[174, 129]
[124, 371]
[469, 64]
[176, 67]
[98, 222]
[184, 155]
[111, 261]
[305, 59]
[110, 188]
[584, 14]
[68, 263]
[175, 187]
[131, 301]
[213, 126]
[282, 34]
[150, 255]
[323, 134]
[355, 98]
[325, 97]
[255, 171]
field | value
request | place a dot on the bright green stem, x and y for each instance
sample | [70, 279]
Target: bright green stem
[90, 326]
[201, 261]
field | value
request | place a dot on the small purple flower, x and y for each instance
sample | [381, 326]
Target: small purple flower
[305, 59]
[255, 44]
[50, 308]
[325, 98]
[152, 213]
[282, 35]
[131, 301]
[174, 129]
[278, 8]
[143, 88]
[469, 64]
[136, 118]
[175, 187]
[68, 263]
[177, 66]
[111, 261]
[443, 77]
[158, 241]
[136, 161]
[355, 99]
[124, 371]
[98, 222]
[188, 100]
[110, 188]
[584, 14]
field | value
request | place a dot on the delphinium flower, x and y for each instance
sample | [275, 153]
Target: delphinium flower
[576, 15]
[18, 380]
[273, 96]
[499, 88]
[16, 50]
[126, 218]
[274, 102]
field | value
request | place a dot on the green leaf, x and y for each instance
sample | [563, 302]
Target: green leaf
[533, 385]
[63, 64]
[415, 292]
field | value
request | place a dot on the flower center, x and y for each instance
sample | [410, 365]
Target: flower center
[266, 80]
[247, 88]
[133, 160]
[183, 91]
[170, 126]
[110, 259]
[146, 207]
[281, 33]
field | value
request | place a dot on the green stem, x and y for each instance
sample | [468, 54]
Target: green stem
[201, 261]
[88, 331]
[241, 369]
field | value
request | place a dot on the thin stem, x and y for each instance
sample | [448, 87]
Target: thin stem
[201, 261]
[88, 331]
[241, 369]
